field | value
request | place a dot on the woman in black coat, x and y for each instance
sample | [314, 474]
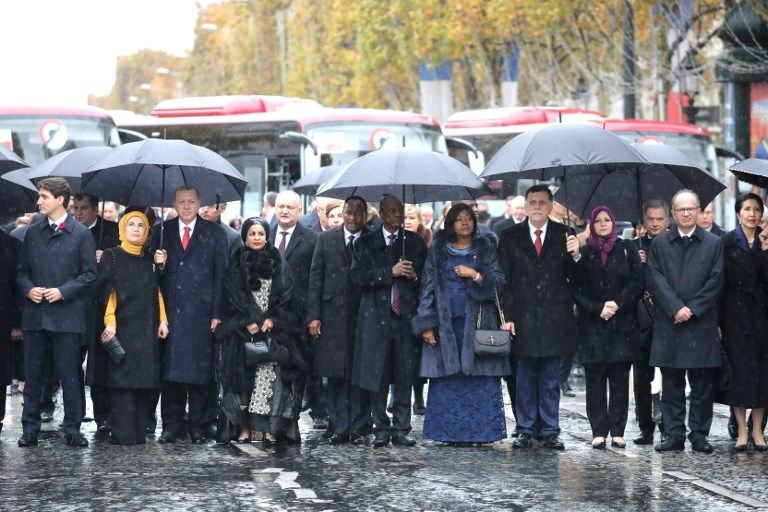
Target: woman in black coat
[134, 312]
[10, 314]
[609, 287]
[265, 397]
[744, 320]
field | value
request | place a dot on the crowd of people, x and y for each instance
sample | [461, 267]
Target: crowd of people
[347, 311]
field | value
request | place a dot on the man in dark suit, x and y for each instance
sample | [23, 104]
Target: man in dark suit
[332, 309]
[539, 258]
[56, 270]
[105, 235]
[194, 259]
[316, 220]
[296, 244]
[213, 214]
[387, 266]
[656, 222]
[514, 214]
[686, 269]
[706, 221]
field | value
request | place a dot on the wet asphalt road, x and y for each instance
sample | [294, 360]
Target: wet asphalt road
[319, 477]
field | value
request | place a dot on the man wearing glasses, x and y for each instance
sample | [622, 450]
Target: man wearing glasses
[686, 274]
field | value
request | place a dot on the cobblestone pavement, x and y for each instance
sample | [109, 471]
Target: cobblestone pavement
[316, 476]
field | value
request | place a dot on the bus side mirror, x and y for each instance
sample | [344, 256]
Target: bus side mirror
[475, 158]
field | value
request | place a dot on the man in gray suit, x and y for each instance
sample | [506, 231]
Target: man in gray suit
[686, 273]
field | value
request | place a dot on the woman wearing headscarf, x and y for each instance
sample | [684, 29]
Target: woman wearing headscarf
[135, 313]
[264, 398]
[609, 287]
[744, 321]
[461, 275]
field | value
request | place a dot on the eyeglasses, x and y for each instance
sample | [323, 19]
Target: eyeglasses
[686, 210]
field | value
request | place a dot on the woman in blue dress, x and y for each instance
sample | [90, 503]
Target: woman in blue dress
[464, 403]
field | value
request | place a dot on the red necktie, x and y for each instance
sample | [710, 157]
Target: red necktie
[281, 247]
[537, 244]
[396, 307]
[185, 238]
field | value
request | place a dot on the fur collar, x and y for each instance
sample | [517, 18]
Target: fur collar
[259, 265]
[482, 244]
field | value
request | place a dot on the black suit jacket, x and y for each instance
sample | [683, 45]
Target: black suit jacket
[539, 294]
[65, 259]
[106, 237]
[298, 256]
[311, 221]
[234, 240]
[717, 230]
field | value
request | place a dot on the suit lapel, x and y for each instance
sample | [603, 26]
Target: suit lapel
[294, 241]
[526, 242]
[339, 245]
[550, 240]
[194, 240]
[173, 237]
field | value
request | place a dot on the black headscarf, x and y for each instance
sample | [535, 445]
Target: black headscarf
[250, 222]
[261, 264]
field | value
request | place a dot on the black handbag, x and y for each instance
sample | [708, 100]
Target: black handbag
[724, 374]
[257, 351]
[646, 312]
[115, 350]
[492, 342]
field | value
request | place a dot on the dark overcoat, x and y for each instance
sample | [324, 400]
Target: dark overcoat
[64, 259]
[192, 282]
[744, 322]
[434, 312]
[234, 240]
[105, 233]
[372, 264]
[619, 280]
[538, 296]
[10, 314]
[334, 300]
[691, 277]
[298, 256]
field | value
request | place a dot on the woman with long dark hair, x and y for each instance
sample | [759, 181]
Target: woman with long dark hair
[609, 287]
[265, 397]
[461, 275]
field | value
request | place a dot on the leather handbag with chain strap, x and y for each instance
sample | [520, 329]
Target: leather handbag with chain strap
[492, 342]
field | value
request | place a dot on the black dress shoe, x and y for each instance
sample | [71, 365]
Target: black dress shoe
[523, 441]
[645, 438]
[553, 442]
[566, 390]
[152, 426]
[166, 437]
[198, 439]
[733, 430]
[618, 444]
[211, 430]
[87, 419]
[356, 439]
[515, 434]
[381, 439]
[27, 440]
[419, 409]
[102, 426]
[46, 416]
[319, 424]
[742, 447]
[670, 444]
[700, 444]
[339, 439]
[77, 439]
[403, 440]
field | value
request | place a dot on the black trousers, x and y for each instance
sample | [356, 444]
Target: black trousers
[607, 414]
[401, 414]
[99, 394]
[38, 347]
[565, 367]
[349, 408]
[128, 415]
[642, 376]
[2, 405]
[173, 405]
[673, 401]
[315, 394]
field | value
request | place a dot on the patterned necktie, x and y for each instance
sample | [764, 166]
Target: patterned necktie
[185, 238]
[395, 297]
[281, 247]
[537, 244]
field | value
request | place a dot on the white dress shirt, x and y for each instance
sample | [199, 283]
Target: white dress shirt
[191, 227]
[279, 235]
[347, 234]
[532, 229]
[58, 222]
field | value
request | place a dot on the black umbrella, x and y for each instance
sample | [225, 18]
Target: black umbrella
[148, 173]
[753, 171]
[17, 198]
[69, 165]
[626, 190]
[309, 184]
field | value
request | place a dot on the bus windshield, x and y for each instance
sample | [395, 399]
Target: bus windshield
[37, 138]
[344, 142]
[696, 147]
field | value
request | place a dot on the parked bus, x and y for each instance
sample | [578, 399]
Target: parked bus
[275, 140]
[36, 133]
[489, 129]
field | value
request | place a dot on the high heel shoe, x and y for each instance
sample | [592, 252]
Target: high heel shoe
[742, 447]
[598, 443]
[758, 447]
[618, 442]
[268, 442]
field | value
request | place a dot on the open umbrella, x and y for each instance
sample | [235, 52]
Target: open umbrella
[17, 198]
[411, 175]
[69, 165]
[753, 171]
[309, 184]
[625, 190]
[148, 173]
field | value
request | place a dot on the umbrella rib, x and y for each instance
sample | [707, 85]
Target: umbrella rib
[133, 187]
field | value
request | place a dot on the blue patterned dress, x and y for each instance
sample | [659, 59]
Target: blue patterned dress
[463, 408]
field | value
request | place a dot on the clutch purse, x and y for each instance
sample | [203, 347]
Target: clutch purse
[492, 342]
[115, 350]
[257, 351]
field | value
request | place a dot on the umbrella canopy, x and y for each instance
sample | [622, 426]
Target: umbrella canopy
[18, 194]
[10, 161]
[69, 165]
[625, 190]
[148, 173]
[309, 184]
[561, 150]
[411, 175]
[753, 171]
